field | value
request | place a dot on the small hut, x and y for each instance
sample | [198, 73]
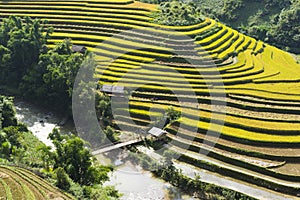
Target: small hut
[112, 89]
[79, 49]
[157, 133]
[106, 88]
[117, 89]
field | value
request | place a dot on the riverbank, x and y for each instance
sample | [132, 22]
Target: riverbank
[129, 179]
[39, 120]
[134, 182]
[221, 181]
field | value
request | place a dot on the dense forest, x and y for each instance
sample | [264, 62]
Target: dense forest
[31, 68]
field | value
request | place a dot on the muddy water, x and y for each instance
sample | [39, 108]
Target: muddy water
[136, 183]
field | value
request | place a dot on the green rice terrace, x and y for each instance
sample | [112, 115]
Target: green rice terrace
[18, 183]
[255, 87]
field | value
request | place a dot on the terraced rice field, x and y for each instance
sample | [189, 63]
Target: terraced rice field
[244, 92]
[18, 183]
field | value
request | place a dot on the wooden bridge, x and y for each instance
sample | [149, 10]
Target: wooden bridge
[116, 146]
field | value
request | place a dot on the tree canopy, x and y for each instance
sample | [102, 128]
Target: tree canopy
[51, 79]
[7, 112]
[77, 161]
[286, 29]
[70, 165]
[21, 43]
[27, 65]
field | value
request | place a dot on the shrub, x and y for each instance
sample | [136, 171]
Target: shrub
[62, 179]
[172, 113]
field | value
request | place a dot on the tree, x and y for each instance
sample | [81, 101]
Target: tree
[172, 113]
[51, 80]
[7, 112]
[98, 192]
[21, 43]
[6, 148]
[77, 161]
[286, 31]
[178, 13]
[47, 156]
[103, 107]
[12, 134]
[111, 134]
[229, 9]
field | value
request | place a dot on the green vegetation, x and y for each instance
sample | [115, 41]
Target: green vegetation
[17, 143]
[104, 108]
[21, 43]
[172, 114]
[76, 170]
[154, 1]
[70, 166]
[36, 72]
[51, 79]
[272, 21]
[177, 13]
[20, 183]
[111, 134]
[8, 112]
[286, 29]
[258, 128]
[71, 155]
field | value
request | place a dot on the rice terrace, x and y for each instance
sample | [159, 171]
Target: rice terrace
[21, 184]
[227, 103]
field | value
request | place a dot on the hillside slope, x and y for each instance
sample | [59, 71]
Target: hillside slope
[272, 21]
[222, 81]
[18, 183]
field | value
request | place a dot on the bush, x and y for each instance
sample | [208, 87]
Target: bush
[111, 134]
[7, 112]
[62, 179]
[172, 114]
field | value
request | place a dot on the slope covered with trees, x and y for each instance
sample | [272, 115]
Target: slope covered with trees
[273, 21]
[31, 68]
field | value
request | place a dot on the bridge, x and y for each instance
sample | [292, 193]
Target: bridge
[116, 146]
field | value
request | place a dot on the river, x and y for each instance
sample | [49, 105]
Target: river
[39, 121]
[133, 182]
